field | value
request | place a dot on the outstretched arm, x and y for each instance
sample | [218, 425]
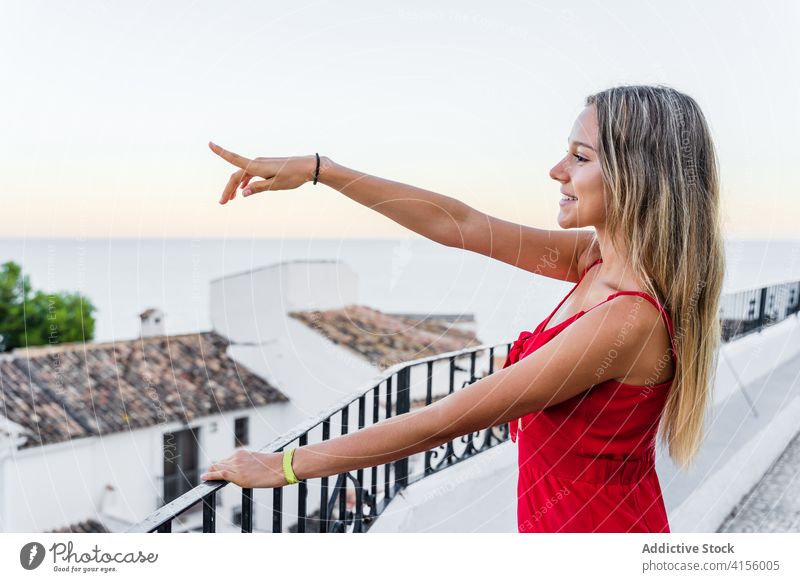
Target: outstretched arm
[567, 365]
[553, 253]
[434, 216]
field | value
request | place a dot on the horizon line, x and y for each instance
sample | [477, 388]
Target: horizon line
[301, 238]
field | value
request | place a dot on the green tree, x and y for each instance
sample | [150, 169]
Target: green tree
[29, 318]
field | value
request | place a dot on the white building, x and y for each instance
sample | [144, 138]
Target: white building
[97, 435]
[105, 431]
[298, 325]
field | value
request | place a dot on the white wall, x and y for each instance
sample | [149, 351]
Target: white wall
[478, 494]
[747, 359]
[314, 372]
[251, 307]
[310, 370]
[60, 484]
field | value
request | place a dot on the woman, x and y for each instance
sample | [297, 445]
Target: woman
[632, 344]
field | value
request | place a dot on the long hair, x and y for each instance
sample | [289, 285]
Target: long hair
[660, 170]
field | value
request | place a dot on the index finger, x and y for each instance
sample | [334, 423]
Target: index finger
[231, 157]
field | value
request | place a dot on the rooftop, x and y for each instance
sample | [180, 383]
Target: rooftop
[385, 339]
[75, 390]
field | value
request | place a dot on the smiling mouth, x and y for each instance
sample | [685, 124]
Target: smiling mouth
[568, 198]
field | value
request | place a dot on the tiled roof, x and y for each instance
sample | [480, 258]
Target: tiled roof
[80, 389]
[383, 339]
[88, 526]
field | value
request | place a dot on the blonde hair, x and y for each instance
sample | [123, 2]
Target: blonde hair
[660, 170]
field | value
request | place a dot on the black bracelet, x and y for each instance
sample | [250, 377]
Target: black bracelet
[316, 172]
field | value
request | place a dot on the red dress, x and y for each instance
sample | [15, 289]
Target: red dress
[587, 464]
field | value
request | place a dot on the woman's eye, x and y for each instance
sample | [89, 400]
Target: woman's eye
[580, 158]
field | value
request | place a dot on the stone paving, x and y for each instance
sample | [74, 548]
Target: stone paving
[773, 505]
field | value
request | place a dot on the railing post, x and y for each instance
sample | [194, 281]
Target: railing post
[796, 302]
[247, 510]
[323, 491]
[302, 494]
[762, 308]
[277, 509]
[428, 399]
[209, 513]
[403, 406]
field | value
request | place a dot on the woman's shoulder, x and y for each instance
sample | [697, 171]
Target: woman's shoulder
[650, 329]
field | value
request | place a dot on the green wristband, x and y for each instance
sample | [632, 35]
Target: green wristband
[288, 473]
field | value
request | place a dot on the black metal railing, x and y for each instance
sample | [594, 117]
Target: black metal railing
[752, 310]
[352, 501]
[175, 485]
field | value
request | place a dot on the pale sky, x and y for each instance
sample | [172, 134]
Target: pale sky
[108, 106]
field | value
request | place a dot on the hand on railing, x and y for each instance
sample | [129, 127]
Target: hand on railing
[249, 469]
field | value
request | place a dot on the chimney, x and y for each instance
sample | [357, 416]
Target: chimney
[152, 322]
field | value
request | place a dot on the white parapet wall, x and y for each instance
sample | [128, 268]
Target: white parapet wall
[755, 414]
[747, 359]
[478, 494]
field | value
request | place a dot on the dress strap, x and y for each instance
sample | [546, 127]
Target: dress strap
[586, 270]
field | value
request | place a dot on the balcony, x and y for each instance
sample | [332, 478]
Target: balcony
[351, 502]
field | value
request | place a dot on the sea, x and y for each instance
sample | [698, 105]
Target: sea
[123, 277]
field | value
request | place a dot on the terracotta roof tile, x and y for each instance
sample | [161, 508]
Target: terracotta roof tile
[77, 390]
[383, 339]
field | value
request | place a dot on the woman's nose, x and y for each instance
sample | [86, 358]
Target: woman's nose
[557, 172]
